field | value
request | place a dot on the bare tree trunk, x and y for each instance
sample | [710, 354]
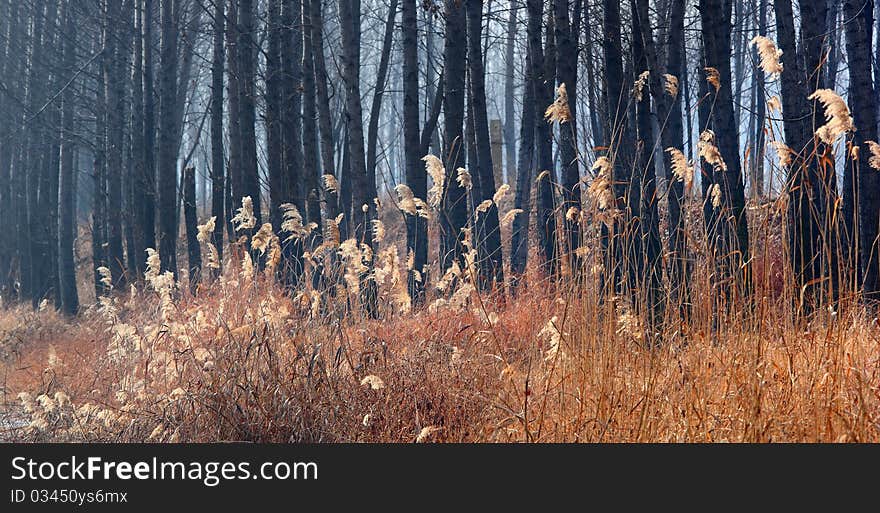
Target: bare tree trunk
[509, 110]
[716, 29]
[519, 240]
[453, 211]
[147, 189]
[379, 91]
[330, 198]
[760, 106]
[291, 187]
[218, 181]
[135, 191]
[363, 189]
[99, 206]
[246, 51]
[274, 106]
[233, 171]
[416, 179]
[194, 252]
[113, 83]
[864, 111]
[613, 235]
[645, 59]
[67, 188]
[541, 83]
[488, 232]
[311, 153]
[168, 144]
[566, 74]
[807, 194]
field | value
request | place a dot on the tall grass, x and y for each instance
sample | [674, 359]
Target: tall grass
[241, 358]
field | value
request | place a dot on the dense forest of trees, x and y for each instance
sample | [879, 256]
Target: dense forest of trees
[131, 123]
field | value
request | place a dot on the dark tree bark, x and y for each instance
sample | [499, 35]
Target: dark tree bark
[218, 182]
[416, 179]
[7, 130]
[453, 211]
[566, 74]
[672, 137]
[759, 98]
[833, 64]
[379, 91]
[519, 240]
[274, 106]
[859, 14]
[114, 82]
[488, 232]
[147, 189]
[612, 236]
[28, 238]
[330, 199]
[246, 53]
[136, 191]
[233, 171]
[644, 164]
[311, 153]
[509, 109]
[363, 188]
[99, 195]
[194, 252]
[43, 163]
[539, 75]
[67, 188]
[167, 162]
[809, 183]
[716, 30]
[291, 187]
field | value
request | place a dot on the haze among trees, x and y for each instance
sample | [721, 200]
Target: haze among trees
[683, 167]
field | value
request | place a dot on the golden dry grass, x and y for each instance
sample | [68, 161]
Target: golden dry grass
[243, 361]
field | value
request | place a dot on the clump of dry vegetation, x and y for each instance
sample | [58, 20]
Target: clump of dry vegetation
[241, 359]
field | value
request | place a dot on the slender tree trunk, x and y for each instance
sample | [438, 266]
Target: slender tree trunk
[453, 211]
[194, 252]
[509, 109]
[809, 186]
[330, 199]
[99, 195]
[760, 103]
[218, 182]
[416, 179]
[833, 65]
[291, 179]
[67, 188]
[519, 240]
[613, 235]
[135, 191]
[539, 75]
[246, 52]
[168, 213]
[274, 106]
[716, 29]
[113, 83]
[645, 59]
[311, 153]
[859, 14]
[32, 257]
[379, 91]
[233, 171]
[566, 74]
[488, 230]
[147, 186]
[363, 189]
